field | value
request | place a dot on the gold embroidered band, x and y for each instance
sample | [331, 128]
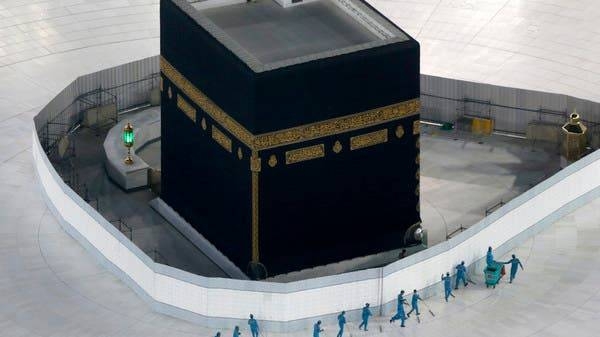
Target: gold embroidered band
[292, 135]
[305, 153]
[368, 139]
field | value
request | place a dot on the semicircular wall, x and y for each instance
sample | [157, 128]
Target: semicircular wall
[217, 302]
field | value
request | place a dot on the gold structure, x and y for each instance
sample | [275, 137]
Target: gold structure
[575, 138]
[304, 153]
[337, 146]
[128, 139]
[272, 160]
[369, 139]
[482, 126]
[221, 139]
[399, 131]
[186, 107]
[255, 168]
[416, 127]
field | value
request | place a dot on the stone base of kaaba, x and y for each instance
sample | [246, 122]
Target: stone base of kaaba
[196, 238]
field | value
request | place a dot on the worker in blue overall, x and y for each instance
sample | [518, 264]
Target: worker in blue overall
[253, 326]
[218, 334]
[489, 258]
[447, 286]
[317, 329]
[514, 266]
[366, 313]
[461, 274]
[341, 322]
[236, 331]
[414, 302]
[400, 315]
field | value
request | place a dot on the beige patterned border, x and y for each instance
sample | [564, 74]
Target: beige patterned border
[292, 135]
[255, 168]
[220, 138]
[416, 127]
[186, 107]
[305, 153]
[368, 139]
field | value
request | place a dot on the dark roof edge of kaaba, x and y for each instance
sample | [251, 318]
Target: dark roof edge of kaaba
[256, 66]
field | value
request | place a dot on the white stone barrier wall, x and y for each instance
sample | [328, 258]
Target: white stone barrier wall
[218, 302]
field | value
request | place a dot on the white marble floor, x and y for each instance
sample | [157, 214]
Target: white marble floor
[546, 45]
[49, 286]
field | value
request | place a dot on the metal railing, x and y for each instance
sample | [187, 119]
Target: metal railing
[71, 117]
[483, 108]
[122, 226]
[460, 229]
[157, 257]
[494, 207]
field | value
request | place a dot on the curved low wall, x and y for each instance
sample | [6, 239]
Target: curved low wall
[216, 302]
[147, 130]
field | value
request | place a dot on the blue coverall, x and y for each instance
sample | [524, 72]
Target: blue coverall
[253, 327]
[489, 258]
[400, 314]
[447, 286]
[461, 273]
[366, 313]
[414, 302]
[316, 330]
[341, 322]
[514, 266]
[236, 332]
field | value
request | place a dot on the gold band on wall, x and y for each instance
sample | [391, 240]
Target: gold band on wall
[368, 139]
[292, 135]
[416, 127]
[219, 137]
[254, 172]
[186, 107]
[305, 153]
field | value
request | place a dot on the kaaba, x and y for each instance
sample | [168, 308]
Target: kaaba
[290, 130]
